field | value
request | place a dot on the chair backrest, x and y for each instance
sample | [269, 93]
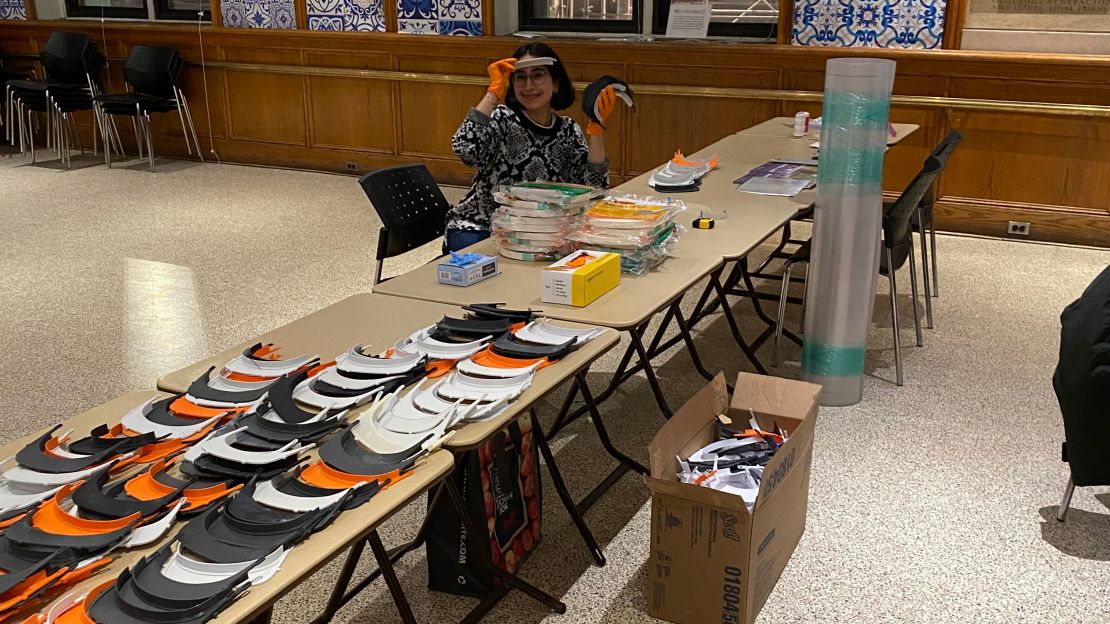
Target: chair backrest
[153, 70]
[944, 149]
[66, 56]
[410, 204]
[896, 219]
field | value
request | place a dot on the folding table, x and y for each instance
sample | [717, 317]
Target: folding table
[738, 154]
[380, 320]
[351, 528]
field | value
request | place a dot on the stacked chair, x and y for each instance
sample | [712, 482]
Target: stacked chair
[72, 65]
[153, 76]
[11, 72]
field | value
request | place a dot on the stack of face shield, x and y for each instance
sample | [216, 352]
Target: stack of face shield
[681, 175]
[534, 218]
[71, 534]
[355, 378]
[641, 229]
[214, 558]
[43, 466]
[734, 463]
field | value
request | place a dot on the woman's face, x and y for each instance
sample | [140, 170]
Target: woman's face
[533, 87]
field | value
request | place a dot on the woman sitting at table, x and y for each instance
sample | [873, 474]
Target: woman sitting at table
[522, 140]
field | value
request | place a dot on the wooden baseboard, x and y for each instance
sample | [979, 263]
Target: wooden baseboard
[1046, 223]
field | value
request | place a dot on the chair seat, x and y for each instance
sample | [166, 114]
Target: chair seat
[125, 103]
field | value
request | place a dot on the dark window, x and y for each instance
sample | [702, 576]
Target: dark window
[106, 8]
[182, 10]
[581, 15]
[757, 19]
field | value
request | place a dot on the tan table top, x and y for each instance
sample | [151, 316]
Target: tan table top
[370, 319]
[305, 558]
[632, 302]
[784, 127]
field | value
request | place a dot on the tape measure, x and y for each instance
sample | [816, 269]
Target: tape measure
[704, 223]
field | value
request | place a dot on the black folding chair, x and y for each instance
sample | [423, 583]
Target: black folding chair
[897, 250]
[153, 76]
[924, 220]
[411, 206]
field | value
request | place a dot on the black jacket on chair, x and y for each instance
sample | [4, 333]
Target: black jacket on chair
[1082, 383]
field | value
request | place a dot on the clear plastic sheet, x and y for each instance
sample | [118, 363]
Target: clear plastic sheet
[846, 226]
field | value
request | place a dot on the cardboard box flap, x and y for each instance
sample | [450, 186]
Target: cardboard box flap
[774, 396]
[685, 432]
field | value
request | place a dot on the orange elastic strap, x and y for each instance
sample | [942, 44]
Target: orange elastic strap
[758, 433]
[145, 487]
[184, 407]
[439, 368]
[163, 450]
[702, 478]
[10, 521]
[27, 588]
[266, 350]
[324, 476]
[319, 368]
[77, 576]
[52, 519]
[486, 357]
[201, 497]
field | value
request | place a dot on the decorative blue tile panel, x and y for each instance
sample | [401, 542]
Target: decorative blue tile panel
[417, 27]
[417, 10]
[869, 23]
[13, 10]
[463, 28]
[440, 17]
[458, 10]
[349, 15]
[258, 13]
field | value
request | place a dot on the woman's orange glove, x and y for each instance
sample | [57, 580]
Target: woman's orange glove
[499, 73]
[606, 101]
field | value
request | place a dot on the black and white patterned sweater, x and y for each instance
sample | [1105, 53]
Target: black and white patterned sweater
[507, 148]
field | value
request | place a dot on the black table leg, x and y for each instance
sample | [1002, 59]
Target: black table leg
[391, 581]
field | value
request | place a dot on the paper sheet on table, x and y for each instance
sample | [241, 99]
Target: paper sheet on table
[784, 187]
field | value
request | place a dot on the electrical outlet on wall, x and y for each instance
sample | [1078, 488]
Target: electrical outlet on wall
[352, 166]
[1019, 228]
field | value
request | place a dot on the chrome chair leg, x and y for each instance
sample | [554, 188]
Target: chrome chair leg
[192, 126]
[925, 270]
[135, 122]
[894, 314]
[1065, 504]
[782, 310]
[31, 137]
[913, 293]
[181, 117]
[933, 254]
[149, 144]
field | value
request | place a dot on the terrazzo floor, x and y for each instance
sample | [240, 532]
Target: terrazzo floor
[933, 502]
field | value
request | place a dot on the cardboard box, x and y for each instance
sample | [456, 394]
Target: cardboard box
[711, 559]
[571, 283]
[467, 274]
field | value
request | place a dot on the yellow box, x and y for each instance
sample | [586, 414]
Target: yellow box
[571, 282]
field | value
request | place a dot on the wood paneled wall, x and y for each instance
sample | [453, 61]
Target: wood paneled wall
[268, 103]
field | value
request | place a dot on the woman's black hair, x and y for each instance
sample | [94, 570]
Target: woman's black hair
[563, 97]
